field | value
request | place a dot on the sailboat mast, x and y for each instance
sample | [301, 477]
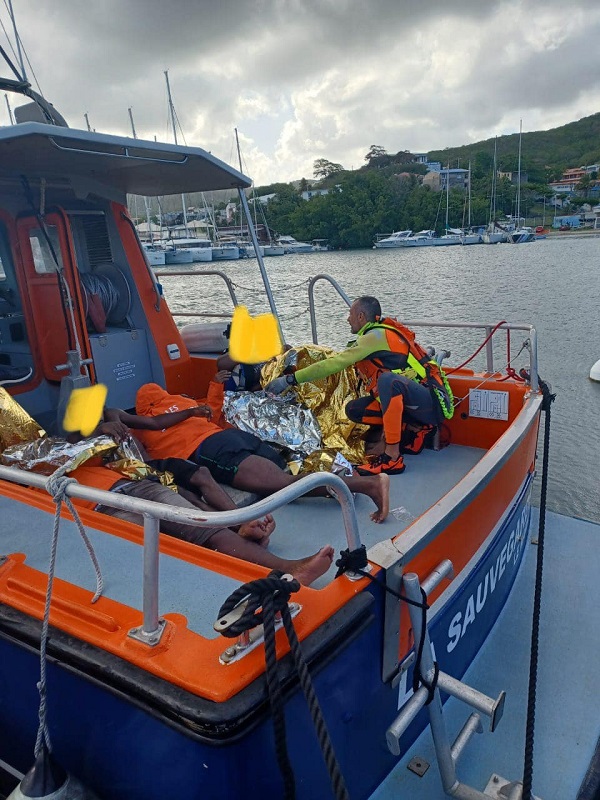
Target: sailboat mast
[237, 144]
[447, 194]
[519, 175]
[172, 112]
[146, 201]
[17, 40]
[10, 114]
[469, 215]
[494, 178]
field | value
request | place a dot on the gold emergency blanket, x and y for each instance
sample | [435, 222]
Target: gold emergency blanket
[49, 454]
[326, 399]
[15, 423]
[127, 461]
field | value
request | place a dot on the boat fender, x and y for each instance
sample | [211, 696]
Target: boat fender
[595, 372]
[47, 780]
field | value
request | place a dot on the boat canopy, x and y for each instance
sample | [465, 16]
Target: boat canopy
[131, 166]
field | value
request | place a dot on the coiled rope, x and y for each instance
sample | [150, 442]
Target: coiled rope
[56, 486]
[272, 594]
[102, 286]
[548, 399]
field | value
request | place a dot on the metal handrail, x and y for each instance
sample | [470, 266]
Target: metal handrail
[204, 273]
[311, 300]
[487, 327]
[437, 518]
[152, 512]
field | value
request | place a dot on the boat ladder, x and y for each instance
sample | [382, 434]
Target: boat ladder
[447, 754]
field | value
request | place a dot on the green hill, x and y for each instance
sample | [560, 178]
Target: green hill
[545, 154]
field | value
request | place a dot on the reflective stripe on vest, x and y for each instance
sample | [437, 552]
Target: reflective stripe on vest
[413, 363]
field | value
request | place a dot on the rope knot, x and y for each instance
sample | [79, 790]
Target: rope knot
[351, 560]
[250, 599]
[56, 486]
[547, 395]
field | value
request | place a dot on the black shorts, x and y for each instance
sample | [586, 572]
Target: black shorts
[224, 451]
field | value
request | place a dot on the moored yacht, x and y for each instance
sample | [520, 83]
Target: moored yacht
[291, 245]
[395, 239]
[173, 255]
[199, 249]
[155, 254]
[521, 235]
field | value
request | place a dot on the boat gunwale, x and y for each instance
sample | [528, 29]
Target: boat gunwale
[408, 544]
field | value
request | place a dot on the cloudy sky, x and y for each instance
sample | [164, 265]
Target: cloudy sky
[308, 79]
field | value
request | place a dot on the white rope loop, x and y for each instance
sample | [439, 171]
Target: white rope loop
[56, 486]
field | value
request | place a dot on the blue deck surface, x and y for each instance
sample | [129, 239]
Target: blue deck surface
[568, 705]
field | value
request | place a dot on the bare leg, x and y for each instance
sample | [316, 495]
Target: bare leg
[215, 496]
[257, 530]
[305, 570]
[258, 474]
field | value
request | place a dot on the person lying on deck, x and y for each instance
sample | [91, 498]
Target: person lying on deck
[248, 543]
[176, 426]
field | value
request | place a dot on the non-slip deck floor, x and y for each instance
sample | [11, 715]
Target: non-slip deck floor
[198, 593]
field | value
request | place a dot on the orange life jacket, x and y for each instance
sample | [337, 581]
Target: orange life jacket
[419, 366]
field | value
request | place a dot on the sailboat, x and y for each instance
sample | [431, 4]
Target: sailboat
[493, 235]
[155, 254]
[522, 233]
[468, 236]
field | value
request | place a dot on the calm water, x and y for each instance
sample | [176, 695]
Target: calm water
[551, 284]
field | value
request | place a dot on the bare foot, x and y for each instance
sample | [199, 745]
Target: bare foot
[259, 530]
[307, 570]
[381, 498]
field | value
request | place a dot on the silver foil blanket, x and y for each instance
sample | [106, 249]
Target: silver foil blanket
[277, 420]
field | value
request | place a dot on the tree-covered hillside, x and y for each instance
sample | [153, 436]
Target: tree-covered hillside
[545, 154]
[387, 194]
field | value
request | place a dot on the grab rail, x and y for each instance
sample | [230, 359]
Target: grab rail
[485, 326]
[153, 512]
[218, 273]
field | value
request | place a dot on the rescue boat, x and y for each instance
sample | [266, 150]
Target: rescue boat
[144, 698]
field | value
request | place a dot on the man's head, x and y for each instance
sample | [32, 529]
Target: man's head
[363, 309]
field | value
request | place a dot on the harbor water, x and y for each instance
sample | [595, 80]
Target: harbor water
[551, 284]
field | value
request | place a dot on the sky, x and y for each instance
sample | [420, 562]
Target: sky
[309, 79]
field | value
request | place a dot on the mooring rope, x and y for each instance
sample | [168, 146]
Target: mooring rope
[271, 594]
[537, 602]
[56, 486]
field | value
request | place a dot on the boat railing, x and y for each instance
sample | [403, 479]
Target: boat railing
[203, 273]
[486, 327]
[152, 512]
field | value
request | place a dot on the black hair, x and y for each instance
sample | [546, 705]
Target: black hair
[370, 307]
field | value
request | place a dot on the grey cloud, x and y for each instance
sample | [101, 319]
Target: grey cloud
[349, 74]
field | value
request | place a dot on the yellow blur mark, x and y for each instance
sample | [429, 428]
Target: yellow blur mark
[253, 340]
[84, 409]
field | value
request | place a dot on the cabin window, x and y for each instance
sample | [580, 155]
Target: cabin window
[43, 258]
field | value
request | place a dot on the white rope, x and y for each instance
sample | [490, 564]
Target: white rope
[56, 486]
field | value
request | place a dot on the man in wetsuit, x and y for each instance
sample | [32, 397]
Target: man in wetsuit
[395, 370]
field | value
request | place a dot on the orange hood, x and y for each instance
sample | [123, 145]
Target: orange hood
[150, 396]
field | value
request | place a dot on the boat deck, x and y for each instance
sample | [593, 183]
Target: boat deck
[427, 478]
[567, 717]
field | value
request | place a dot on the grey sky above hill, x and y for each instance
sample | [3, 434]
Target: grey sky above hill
[308, 79]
